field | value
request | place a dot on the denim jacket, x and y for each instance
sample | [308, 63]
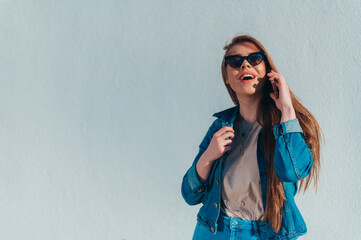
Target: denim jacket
[292, 162]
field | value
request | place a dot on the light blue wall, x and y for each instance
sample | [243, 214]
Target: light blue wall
[103, 104]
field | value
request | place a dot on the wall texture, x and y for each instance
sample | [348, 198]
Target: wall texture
[103, 105]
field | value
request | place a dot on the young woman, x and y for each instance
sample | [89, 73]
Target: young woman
[255, 154]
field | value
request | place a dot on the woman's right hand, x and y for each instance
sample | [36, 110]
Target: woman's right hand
[220, 143]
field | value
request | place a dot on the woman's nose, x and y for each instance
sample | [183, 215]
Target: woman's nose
[245, 64]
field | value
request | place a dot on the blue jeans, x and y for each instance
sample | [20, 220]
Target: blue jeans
[232, 229]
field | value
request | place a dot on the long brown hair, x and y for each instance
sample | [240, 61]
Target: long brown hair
[268, 115]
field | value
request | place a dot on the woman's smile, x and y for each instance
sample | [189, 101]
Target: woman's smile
[247, 76]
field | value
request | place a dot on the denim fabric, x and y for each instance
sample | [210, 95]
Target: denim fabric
[232, 229]
[292, 162]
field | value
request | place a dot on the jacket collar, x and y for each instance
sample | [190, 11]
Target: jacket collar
[228, 115]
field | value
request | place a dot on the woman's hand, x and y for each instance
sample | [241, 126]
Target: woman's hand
[220, 143]
[283, 102]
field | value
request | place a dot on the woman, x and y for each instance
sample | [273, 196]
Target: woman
[253, 156]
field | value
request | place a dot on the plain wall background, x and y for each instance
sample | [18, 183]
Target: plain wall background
[103, 105]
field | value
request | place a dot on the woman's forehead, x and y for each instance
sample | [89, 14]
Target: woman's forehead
[243, 48]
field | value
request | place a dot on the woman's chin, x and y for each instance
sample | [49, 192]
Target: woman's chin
[251, 92]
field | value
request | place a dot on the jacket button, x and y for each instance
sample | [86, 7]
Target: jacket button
[216, 205]
[212, 229]
[200, 190]
[217, 182]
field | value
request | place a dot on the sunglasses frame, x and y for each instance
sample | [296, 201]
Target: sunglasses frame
[240, 61]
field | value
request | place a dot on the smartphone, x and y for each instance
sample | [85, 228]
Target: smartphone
[275, 89]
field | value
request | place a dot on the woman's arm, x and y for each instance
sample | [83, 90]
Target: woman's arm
[292, 159]
[193, 188]
[213, 146]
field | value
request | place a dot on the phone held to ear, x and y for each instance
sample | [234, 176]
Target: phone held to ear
[275, 89]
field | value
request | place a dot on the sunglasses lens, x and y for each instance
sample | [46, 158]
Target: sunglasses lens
[255, 59]
[234, 61]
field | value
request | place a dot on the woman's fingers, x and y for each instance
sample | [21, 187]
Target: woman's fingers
[226, 135]
[227, 142]
[277, 77]
[220, 143]
[223, 130]
[273, 96]
[227, 148]
[279, 81]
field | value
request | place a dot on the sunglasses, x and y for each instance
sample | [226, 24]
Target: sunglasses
[235, 61]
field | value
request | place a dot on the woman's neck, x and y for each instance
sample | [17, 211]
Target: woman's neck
[248, 107]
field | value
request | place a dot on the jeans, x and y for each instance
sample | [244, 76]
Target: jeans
[232, 229]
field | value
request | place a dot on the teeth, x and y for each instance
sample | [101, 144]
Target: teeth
[247, 75]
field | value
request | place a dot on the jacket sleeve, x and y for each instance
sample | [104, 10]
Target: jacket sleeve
[193, 190]
[292, 158]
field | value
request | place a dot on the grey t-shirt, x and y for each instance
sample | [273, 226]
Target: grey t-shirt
[241, 187]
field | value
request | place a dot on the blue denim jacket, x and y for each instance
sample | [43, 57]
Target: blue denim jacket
[292, 162]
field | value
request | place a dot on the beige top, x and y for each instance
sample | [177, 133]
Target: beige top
[241, 187]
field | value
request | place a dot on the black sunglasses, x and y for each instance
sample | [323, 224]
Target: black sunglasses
[235, 61]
